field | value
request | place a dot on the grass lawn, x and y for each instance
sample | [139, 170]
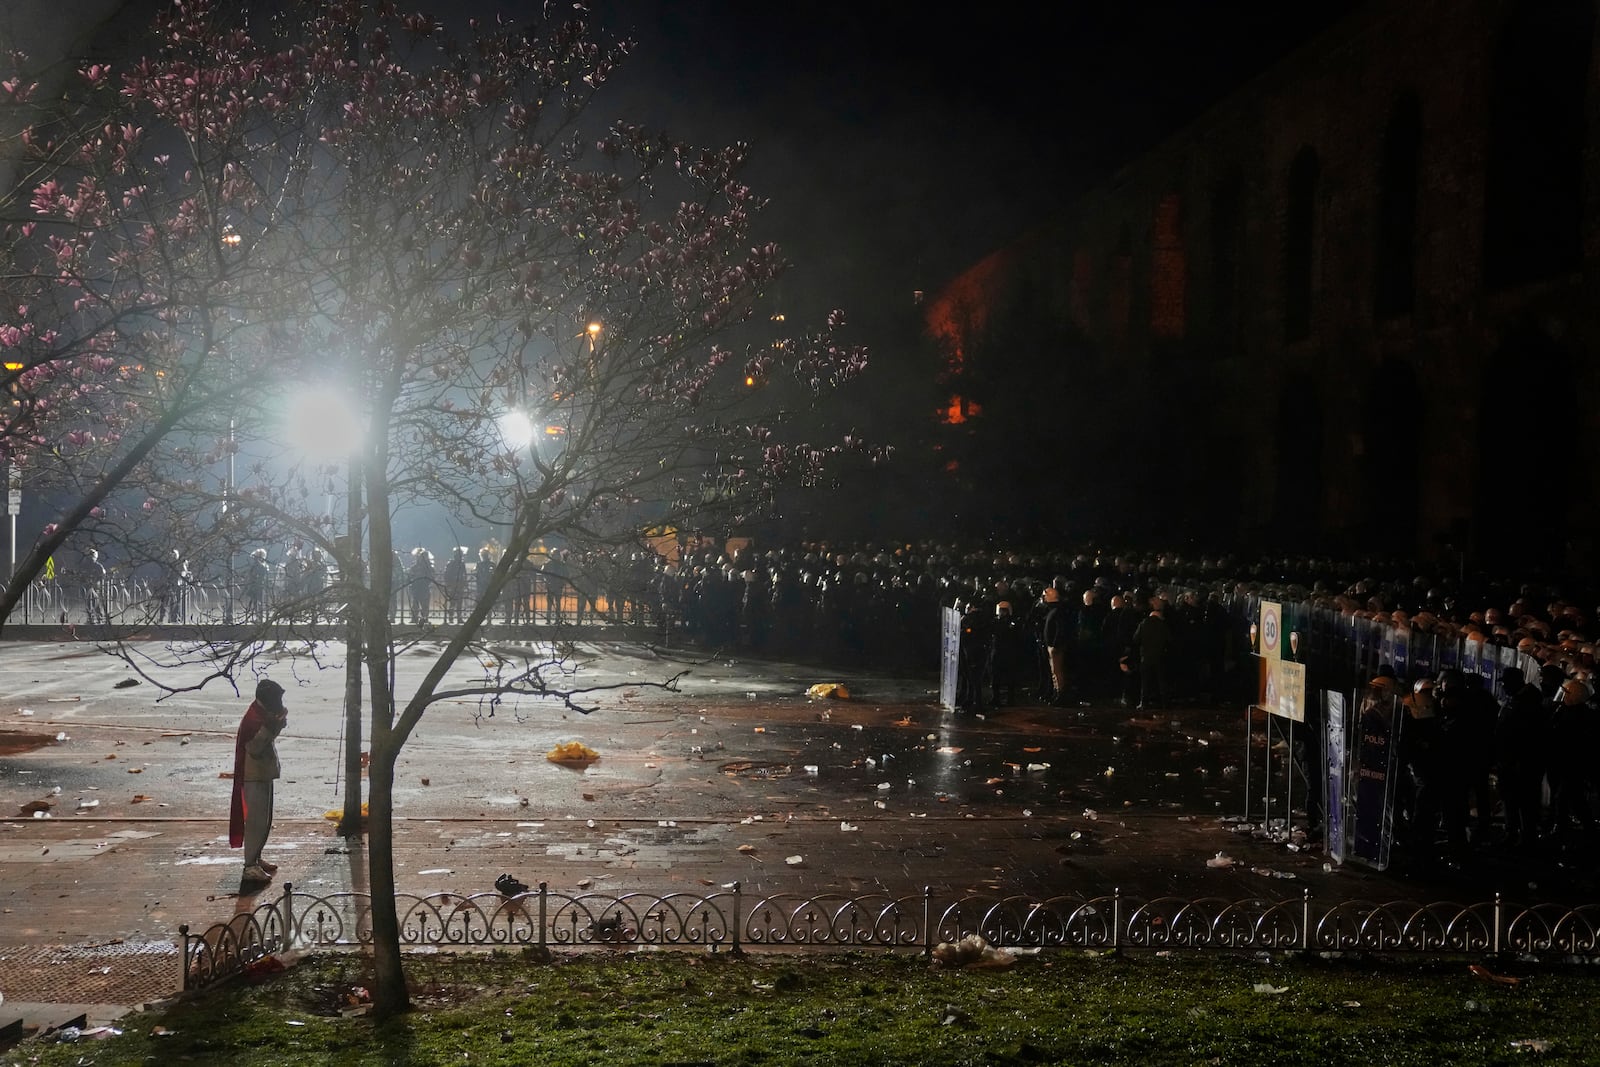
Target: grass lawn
[872, 1008]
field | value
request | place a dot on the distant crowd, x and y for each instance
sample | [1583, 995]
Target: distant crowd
[1151, 630]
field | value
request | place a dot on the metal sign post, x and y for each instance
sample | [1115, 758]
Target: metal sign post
[13, 508]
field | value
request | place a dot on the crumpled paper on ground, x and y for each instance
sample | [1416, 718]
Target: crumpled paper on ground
[973, 953]
[337, 813]
[571, 752]
[828, 691]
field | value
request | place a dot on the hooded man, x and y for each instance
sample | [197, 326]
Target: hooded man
[255, 768]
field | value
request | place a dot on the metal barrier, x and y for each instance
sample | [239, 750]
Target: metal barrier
[731, 920]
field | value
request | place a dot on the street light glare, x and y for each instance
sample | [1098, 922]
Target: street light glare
[516, 430]
[323, 426]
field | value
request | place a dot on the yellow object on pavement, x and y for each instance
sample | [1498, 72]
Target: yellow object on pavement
[338, 813]
[571, 752]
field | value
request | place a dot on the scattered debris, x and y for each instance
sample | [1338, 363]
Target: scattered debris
[126, 683]
[572, 752]
[335, 814]
[1534, 1044]
[1480, 971]
[1271, 990]
[828, 691]
[1220, 861]
[972, 952]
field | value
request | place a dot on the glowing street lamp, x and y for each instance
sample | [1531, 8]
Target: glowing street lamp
[516, 430]
[323, 425]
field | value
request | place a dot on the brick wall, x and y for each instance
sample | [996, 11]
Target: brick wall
[1418, 410]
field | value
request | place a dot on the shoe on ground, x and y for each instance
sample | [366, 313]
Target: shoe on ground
[270, 868]
[255, 873]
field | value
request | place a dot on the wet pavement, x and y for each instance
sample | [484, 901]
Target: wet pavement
[736, 776]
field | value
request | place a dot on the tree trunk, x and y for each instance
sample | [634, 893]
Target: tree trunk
[351, 823]
[389, 994]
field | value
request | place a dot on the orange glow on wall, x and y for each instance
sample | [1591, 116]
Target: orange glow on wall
[961, 310]
[958, 411]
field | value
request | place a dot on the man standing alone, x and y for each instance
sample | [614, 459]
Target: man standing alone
[255, 768]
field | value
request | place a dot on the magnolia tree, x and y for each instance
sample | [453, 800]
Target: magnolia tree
[130, 311]
[436, 233]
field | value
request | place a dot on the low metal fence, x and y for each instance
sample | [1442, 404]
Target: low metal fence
[735, 921]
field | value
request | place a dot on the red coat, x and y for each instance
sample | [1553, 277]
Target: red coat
[255, 717]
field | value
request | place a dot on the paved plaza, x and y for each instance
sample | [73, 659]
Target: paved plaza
[703, 786]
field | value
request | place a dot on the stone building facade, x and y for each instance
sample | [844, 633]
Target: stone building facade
[1351, 308]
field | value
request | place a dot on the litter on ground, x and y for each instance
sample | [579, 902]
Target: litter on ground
[572, 752]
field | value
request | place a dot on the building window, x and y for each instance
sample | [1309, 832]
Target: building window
[1168, 270]
[1533, 185]
[1394, 277]
[1299, 245]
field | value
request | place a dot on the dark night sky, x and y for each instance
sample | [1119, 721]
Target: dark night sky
[899, 145]
[899, 142]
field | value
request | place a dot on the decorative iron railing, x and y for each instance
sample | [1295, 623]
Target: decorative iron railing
[729, 919]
